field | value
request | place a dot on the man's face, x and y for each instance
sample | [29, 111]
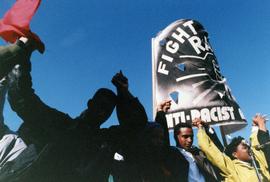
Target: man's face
[185, 138]
[242, 152]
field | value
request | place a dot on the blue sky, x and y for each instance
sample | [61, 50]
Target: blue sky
[87, 42]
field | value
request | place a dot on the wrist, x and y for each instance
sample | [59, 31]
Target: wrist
[263, 128]
[200, 126]
[261, 124]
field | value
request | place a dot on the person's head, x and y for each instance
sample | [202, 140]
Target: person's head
[183, 135]
[100, 107]
[238, 149]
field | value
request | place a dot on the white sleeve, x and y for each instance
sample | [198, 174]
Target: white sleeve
[10, 148]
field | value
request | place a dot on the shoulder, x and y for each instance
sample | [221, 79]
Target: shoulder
[198, 153]
[174, 152]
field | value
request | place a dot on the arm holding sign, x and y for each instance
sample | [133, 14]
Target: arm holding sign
[161, 118]
[213, 154]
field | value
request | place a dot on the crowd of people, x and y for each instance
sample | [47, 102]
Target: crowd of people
[50, 146]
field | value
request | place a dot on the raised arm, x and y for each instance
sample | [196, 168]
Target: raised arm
[213, 154]
[35, 113]
[10, 55]
[161, 118]
[213, 136]
[262, 137]
[130, 111]
[263, 134]
[13, 54]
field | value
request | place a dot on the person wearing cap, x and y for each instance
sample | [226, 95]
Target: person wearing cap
[235, 163]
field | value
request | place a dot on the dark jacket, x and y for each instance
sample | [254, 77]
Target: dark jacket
[69, 149]
[263, 137]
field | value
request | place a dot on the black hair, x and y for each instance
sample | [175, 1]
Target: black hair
[105, 93]
[103, 101]
[177, 128]
[232, 147]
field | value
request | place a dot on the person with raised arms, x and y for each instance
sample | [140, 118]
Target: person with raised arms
[236, 162]
[15, 154]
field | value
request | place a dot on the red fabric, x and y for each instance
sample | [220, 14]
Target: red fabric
[16, 22]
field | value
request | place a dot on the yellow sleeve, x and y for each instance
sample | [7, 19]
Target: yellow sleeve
[259, 155]
[213, 154]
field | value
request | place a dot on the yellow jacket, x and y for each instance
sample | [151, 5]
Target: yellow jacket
[233, 170]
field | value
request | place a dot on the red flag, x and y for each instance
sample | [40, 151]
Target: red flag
[16, 22]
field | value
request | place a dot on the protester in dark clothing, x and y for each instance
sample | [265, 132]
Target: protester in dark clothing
[263, 136]
[71, 149]
[130, 112]
[72, 152]
[77, 148]
[132, 120]
[159, 161]
[161, 119]
[143, 152]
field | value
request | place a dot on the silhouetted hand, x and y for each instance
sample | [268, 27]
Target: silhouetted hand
[120, 81]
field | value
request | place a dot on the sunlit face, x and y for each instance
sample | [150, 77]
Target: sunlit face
[242, 152]
[185, 138]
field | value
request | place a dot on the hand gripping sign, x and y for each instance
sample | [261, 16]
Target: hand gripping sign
[185, 70]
